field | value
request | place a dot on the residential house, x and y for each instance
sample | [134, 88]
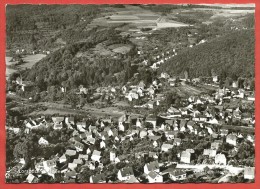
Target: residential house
[215, 145]
[122, 121]
[69, 121]
[143, 133]
[151, 120]
[31, 179]
[132, 179]
[215, 79]
[231, 139]
[58, 122]
[177, 175]
[43, 142]
[96, 155]
[72, 166]
[249, 173]
[151, 104]
[251, 98]
[112, 156]
[49, 164]
[170, 135]
[210, 152]
[235, 84]
[63, 158]
[151, 167]
[223, 132]
[220, 159]
[164, 75]
[99, 178]
[177, 142]
[166, 147]
[79, 146]
[185, 157]
[71, 153]
[83, 156]
[190, 125]
[125, 173]
[153, 155]
[102, 144]
[154, 177]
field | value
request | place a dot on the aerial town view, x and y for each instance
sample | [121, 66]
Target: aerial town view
[139, 93]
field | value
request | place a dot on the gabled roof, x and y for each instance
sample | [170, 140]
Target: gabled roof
[57, 119]
[132, 179]
[82, 123]
[232, 137]
[177, 172]
[70, 174]
[185, 154]
[127, 171]
[153, 174]
[99, 178]
[152, 166]
[78, 161]
[169, 121]
[220, 156]
[177, 140]
[151, 118]
[154, 137]
[51, 163]
[70, 152]
[97, 153]
[191, 123]
[183, 123]
[167, 146]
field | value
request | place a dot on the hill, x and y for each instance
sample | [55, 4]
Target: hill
[43, 26]
[230, 55]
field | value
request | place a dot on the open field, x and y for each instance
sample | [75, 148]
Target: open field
[120, 48]
[225, 12]
[61, 109]
[30, 60]
[187, 90]
[137, 18]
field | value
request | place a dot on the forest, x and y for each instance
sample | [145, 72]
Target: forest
[39, 26]
[230, 55]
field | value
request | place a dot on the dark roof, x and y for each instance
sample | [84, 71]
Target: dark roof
[98, 178]
[177, 172]
[152, 166]
[169, 121]
[127, 171]
[152, 174]
[183, 123]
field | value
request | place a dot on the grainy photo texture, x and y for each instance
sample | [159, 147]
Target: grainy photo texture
[130, 93]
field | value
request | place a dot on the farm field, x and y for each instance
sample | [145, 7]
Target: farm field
[30, 60]
[61, 109]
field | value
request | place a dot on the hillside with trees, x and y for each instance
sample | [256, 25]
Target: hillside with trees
[230, 55]
[39, 26]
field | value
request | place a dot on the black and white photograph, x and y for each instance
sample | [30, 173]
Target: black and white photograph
[130, 93]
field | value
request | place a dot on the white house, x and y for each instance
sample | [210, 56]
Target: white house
[220, 159]
[153, 166]
[42, 141]
[154, 177]
[99, 178]
[185, 157]
[96, 155]
[177, 175]
[166, 147]
[249, 173]
[125, 173]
